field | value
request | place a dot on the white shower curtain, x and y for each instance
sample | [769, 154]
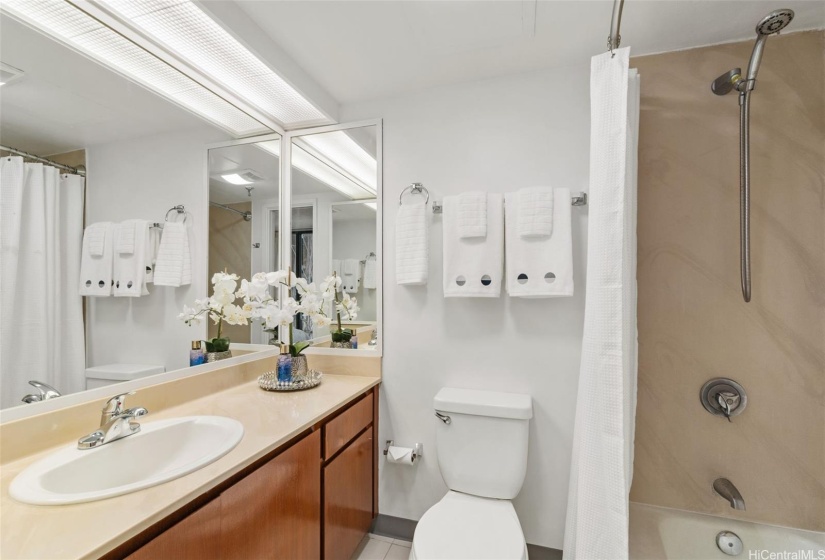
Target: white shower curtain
[41, 313]
[602, 465]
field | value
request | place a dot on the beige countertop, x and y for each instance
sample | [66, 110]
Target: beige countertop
[90, 530]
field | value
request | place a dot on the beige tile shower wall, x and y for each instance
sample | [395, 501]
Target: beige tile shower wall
[230, 249]
[693, 323]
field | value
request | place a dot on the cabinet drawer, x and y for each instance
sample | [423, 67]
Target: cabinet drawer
[346, 426]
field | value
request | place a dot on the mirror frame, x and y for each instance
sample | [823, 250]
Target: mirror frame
[286, 223]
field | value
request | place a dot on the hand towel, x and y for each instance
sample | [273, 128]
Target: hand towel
[535, 211]
[130, 268]
[351, 275]
[96, 260]
[371, 273]
[174, 263]
[411, 244]
[126, 237]
[472, 214]
[151, 251]
[540, 266]
[473, 266]
[96, 234]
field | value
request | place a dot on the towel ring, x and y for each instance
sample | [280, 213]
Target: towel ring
[415, 188]
[180, 209]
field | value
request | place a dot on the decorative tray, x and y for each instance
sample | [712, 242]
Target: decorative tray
[269, 381]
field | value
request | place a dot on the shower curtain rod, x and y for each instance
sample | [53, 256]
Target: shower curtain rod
[75, 170]
[246, 215]
[615, 37]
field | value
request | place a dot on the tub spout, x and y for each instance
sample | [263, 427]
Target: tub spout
[727, 490]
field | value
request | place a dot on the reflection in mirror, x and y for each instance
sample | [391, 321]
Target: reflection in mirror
[243, 178]
[143, 155]
[334, 218]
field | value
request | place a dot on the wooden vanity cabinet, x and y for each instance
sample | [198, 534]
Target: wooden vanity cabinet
[315, 498]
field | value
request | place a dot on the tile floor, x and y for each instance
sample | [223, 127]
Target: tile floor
[376, 547]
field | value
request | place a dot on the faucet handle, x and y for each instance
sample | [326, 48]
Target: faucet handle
[114, 406]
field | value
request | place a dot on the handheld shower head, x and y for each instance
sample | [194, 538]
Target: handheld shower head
[772, 23]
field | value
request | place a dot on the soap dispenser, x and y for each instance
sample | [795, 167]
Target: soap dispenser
[285, 365]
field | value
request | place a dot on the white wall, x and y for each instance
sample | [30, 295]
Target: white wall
[143, 178]
[495, 135]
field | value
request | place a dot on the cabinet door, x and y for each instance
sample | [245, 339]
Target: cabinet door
[348, 498]
[197, 537]
[275, 512]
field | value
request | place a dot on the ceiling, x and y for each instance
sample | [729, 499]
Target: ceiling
[66, 101]
[363, 50]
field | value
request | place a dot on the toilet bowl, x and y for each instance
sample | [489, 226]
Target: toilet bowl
[481, 446]
[461, 526]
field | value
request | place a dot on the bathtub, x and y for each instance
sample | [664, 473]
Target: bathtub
[658, 533]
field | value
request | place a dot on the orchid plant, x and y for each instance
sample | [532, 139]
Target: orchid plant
[258, 304]
[219, 307]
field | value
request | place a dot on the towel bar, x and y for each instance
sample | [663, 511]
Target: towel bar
[578, 199]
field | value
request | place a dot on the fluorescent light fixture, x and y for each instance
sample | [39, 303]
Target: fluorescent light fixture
[345, 153]
[235, 179]
[81, 32]
[321, 170]
[186, 31]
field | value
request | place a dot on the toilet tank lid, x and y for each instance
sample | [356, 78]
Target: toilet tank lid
[484, 403]
[123, 372]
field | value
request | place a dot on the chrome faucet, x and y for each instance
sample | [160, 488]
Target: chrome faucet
[115, 423]
[727, 490]
[45, 392]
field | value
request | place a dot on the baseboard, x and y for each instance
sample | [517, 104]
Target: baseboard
[393, 527]
[401, 528]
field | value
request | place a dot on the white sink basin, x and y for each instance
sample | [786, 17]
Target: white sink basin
[161, 451]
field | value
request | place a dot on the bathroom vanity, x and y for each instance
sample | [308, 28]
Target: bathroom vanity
[300, 484]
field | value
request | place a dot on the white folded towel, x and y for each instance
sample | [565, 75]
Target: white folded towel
[473, 266]
[351, 275]
[472, 214]
[371, 273]
[151, 251]
[96, 260]
[96, 234]
[174, 263]
[540, 266]
[411, 244]
[130, 268]
[535, 211]
[126, 237]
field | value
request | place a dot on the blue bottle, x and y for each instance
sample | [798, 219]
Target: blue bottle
[285, 365]
[196, 355]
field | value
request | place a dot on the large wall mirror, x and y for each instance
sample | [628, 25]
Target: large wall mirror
[110, 147]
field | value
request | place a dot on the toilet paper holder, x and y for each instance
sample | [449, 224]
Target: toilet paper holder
[418, 450]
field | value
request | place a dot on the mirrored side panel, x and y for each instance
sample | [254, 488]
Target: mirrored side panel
[335, 195]
[244, 193]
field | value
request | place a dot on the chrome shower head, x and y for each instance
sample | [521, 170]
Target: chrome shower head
[772, 23]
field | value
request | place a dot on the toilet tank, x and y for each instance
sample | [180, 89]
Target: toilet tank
[483, 449]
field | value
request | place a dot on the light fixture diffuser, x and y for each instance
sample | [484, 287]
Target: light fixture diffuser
[183, 29]
[86, 35]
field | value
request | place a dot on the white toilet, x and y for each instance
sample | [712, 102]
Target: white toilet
[102, 376]
[482, 454]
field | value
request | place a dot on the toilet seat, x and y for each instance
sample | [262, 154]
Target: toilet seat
[462, 526]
